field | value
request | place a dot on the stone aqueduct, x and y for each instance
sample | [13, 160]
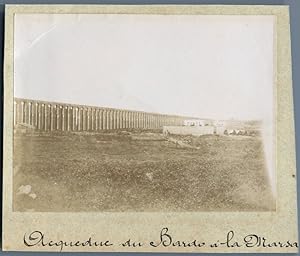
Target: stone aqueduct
[51, 116]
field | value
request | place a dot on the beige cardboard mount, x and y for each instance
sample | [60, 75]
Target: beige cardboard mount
[192, 228]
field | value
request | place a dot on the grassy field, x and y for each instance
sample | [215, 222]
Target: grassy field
[139, 171]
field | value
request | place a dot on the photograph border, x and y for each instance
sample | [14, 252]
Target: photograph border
[285, 216]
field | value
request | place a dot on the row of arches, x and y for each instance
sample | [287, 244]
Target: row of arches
[53, 116]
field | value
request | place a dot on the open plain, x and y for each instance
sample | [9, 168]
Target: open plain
[139, 171]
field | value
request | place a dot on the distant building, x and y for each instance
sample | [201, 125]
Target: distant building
[196, 122]
[219, 123]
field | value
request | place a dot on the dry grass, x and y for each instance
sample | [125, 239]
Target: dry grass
[140, 172]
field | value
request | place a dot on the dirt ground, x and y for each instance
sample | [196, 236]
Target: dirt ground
[139, 171]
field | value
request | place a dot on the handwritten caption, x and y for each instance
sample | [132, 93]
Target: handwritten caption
[164, 239]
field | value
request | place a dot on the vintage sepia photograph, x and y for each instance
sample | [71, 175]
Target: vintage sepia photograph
[144, 113]
[149, 128]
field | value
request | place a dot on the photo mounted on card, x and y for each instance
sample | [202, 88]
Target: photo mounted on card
[159, 128]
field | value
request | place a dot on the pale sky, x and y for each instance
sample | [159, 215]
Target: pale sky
[205, 66]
